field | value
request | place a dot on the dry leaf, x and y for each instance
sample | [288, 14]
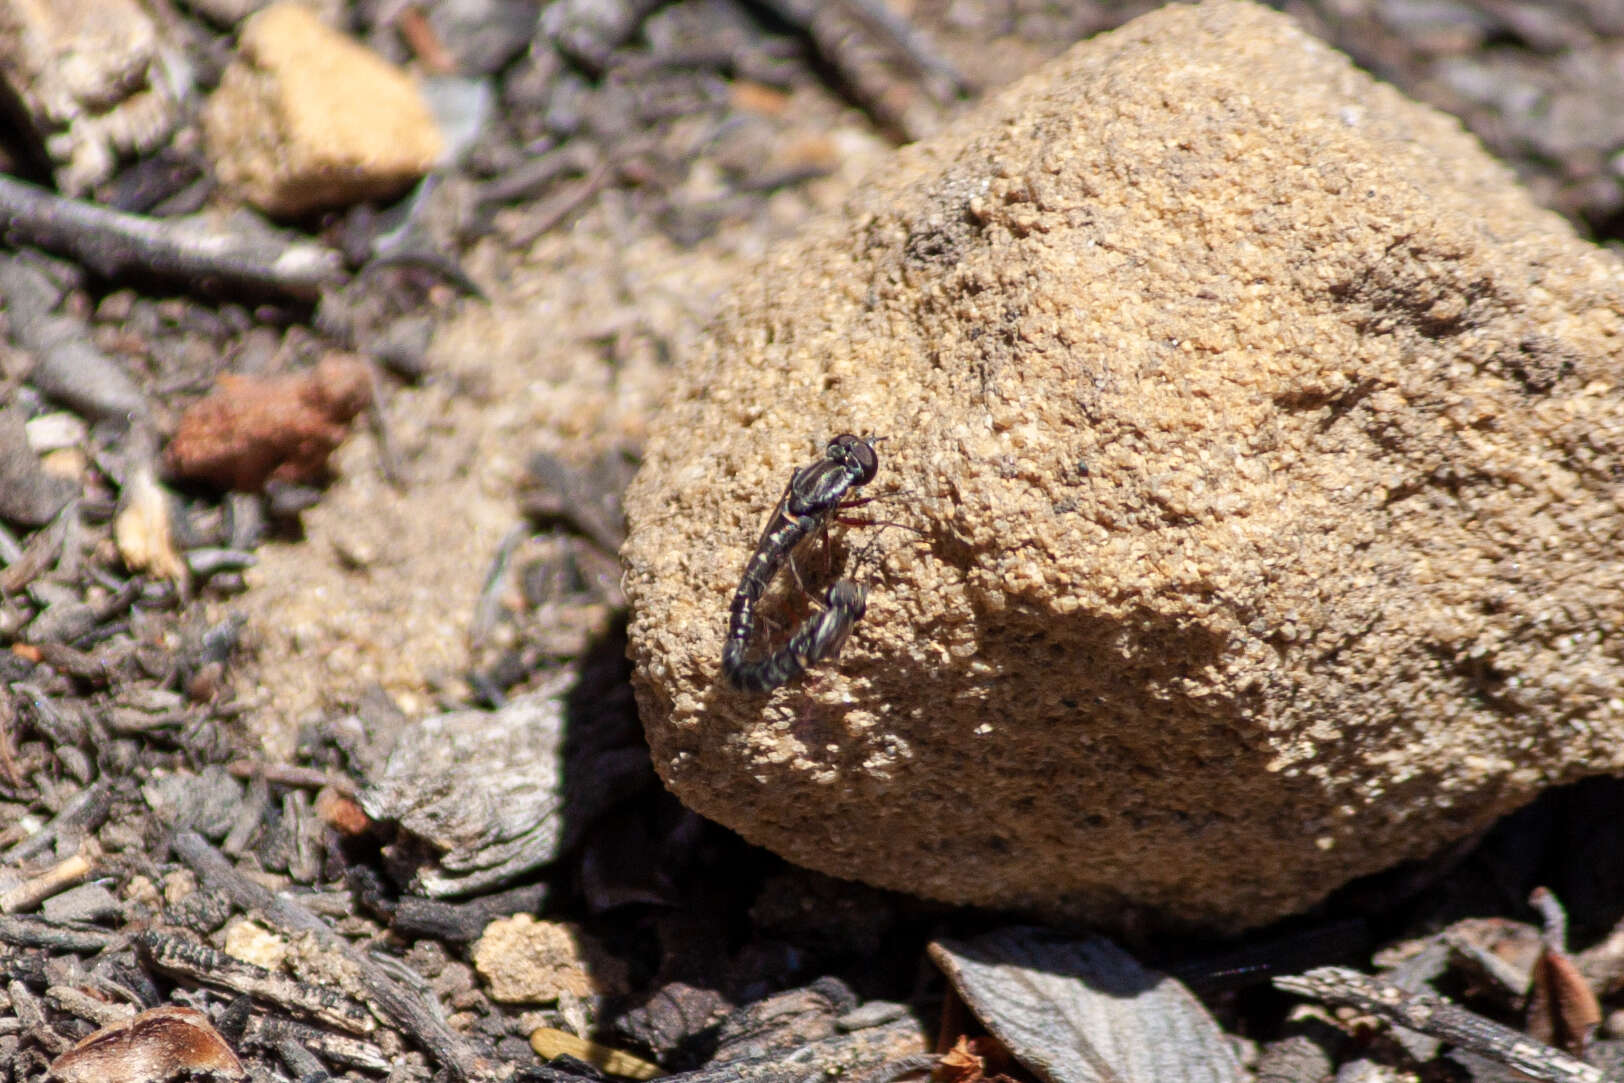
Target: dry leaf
[154, 1046]
[549, 1043]
[1083, 1011]
[972, 1060]
[1562, 1008]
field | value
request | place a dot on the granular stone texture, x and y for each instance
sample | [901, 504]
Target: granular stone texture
[306, 118]
[530, 961]
[95, 79]
[1259, 444]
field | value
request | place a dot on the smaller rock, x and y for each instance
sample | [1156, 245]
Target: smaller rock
[254, 943]
[535, 962]
[54, 432]
[588, 31]
[206, 802]
[70, 369]
[28, 495]
[67, 366]
[252, 430]
[306, 118]
[62, 622]
[484, 35]
[403, 347]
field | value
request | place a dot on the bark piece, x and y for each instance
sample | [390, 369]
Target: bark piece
[795, 1035]
[405, 1007]
[179, 955]
[484, 788]
[1433, 1015]
[1267, 519]
[28, 495]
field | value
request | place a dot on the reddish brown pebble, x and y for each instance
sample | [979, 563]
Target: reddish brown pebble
[155, 1045]
[341, 813]
[205, 684]
[251, 430]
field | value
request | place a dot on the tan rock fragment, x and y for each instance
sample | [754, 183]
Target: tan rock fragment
[1263, 440]
[254, 943]
[306, 118]
[535, 962]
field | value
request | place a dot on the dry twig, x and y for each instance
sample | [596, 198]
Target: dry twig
[59, 877]
[402, 1006]
[113, 243]
[180, 955]
[1442, 1019]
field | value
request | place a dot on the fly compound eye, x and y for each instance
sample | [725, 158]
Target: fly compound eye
[867, 460]
[856, 454]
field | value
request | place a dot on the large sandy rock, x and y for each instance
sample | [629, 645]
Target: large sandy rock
[1264, 446]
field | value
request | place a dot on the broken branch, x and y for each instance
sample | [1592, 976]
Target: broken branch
[113, 243]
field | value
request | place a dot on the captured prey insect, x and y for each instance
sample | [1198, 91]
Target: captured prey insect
[813, 495]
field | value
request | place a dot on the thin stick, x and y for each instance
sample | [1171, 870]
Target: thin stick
[53, 881]
[80, 816]
[1442, 1019]
[113, 243]
[408, 1011]
[182, 956]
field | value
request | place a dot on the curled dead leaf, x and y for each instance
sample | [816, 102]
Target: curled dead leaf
[1562, 1008]
[973, 1060]
[151, 1047]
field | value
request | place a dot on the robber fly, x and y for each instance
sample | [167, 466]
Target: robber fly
[814, 494]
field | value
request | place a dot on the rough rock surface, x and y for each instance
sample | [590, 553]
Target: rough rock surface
[93, 80]
[530, 961]
[1262, 441]
[306, 118]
